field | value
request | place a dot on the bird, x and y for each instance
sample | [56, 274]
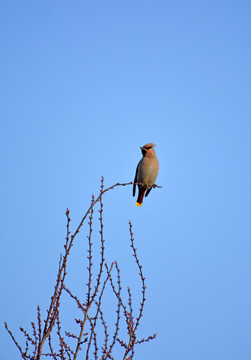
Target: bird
[146, 172]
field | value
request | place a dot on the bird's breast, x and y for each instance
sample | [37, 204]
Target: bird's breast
[148, 170]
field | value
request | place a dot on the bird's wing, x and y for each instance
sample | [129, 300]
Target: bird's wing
[135, 180]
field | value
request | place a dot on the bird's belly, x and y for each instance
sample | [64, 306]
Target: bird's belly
[147, 176]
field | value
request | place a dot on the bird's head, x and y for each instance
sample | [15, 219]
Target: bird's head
[148, 149]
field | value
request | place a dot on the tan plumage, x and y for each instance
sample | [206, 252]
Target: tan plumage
[146, 173]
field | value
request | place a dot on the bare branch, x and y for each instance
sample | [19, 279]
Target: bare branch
[13, 338]
[40, 336]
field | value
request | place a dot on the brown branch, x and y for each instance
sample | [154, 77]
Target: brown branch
[131, 327]
[63, 345]
[98, 304]
[39, 324]
[89, 257]
[130, 300]
[13, 338]
[51, 349]
[146, 340]
[53, 310]
[29, 339]
[104, 347]
[118, 294]
[52, 313]
[102, 244]
[36, 339]
[81, 322]
[141, 276]
[99, 273]
[100, 195]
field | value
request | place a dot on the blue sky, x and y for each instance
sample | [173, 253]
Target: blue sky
[83, 85]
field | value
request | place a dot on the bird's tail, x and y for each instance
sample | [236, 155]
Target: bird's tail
[139, 201]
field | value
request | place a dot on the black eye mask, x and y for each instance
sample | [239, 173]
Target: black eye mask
[144, 150]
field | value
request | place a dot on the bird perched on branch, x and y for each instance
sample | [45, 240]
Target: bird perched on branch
[146, 173]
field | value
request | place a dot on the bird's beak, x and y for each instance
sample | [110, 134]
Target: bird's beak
[142, 148]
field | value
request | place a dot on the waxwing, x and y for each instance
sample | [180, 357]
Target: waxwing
[146, 173]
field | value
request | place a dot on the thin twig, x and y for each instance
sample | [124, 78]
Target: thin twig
[16, 343]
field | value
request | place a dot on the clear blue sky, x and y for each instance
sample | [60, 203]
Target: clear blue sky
[83, 85]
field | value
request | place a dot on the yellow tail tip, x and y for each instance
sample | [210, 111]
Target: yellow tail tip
[138, 204]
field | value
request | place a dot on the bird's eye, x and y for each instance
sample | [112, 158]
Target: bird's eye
[149, 147]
